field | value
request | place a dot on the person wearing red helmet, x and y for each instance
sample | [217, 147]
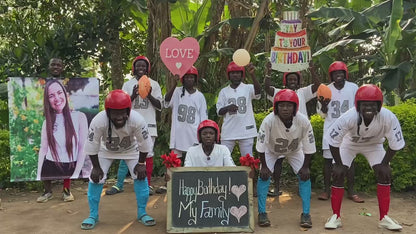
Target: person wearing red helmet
[235, 106]
[343, 94]
[288, 133]
[363, 130]
[118, 133]
[147, 108]
[291, 80]
[189, 108]
[209, 152]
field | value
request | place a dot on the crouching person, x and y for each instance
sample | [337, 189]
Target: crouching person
[118, 133]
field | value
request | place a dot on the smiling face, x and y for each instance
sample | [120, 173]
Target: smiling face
[55, 67]
[285, 110]
[368, 109]
[56, 97]
[207, 136]
[292, 81]
[118, 117]
[140, 68]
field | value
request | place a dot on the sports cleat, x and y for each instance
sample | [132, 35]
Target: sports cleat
[305, 220]
[333, 222]
[67, 197]
[44, 197]
[390, 224]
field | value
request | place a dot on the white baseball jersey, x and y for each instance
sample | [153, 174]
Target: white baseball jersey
[304, 94]
[341, 101]
[346, 132]
[274, 138]
[220, 156]
[126, 142]
[239, 125]
[144, 106]
[188, 112]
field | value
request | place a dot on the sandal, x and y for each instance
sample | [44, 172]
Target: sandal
[263, 220]
[146, 220]
[356, 198]
[161, 190]
[113, 190]
[273, 193]
[324, 196]
[88, 223]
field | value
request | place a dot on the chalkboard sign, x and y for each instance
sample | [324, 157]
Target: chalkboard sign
[210, 199]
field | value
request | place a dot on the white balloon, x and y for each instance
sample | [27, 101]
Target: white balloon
[241, 57]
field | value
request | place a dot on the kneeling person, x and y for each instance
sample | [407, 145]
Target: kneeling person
[289, 133]
[118, 133]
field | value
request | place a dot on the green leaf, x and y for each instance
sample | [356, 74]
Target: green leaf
[393, 32]
[336, 44]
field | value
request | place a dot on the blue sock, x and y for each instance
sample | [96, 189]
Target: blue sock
[94, 195]
[305, 194]
[262, 189]
[123, 169]
[141, 188]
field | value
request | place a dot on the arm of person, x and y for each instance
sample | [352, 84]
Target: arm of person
[155, 96]
[315, 77]
[169, 94]
[82, 137]
[304, 172]
[222, 108]
[155, 102]
[265, 172]
[43, 150]
[97, 173]
[140, 168]
[252, 71]
[267, 82]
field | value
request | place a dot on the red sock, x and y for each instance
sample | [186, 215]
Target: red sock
[149, 169]
[67, 184]
[336, 199]
[383, 195]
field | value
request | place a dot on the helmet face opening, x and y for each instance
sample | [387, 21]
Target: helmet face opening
[286, 74]
[192, 71]
[211, 124]
[368, 92]
[232, 67]
[286, 95]
[144, 58]
[337, 66]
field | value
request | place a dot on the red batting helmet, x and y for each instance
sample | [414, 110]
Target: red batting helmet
[117, 99]
[288, 73]
[286, 95]
[141, 57]
[337, 66]
[234, 67]
[211, 124]
[192, 71]
[368, 92]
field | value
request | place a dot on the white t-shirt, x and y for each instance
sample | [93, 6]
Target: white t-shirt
[274, 138]
[239, 125]
[341, 101]
[144, 106]
[304, 94]
[126, 142]
[220, 156]
[384, 125]
[59, 134]
[187, 113]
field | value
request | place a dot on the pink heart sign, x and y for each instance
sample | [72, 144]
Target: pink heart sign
[238, 212]
[179, 56]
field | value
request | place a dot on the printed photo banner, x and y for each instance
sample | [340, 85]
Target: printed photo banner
[27, 118]
[179, 56]
[289, 60]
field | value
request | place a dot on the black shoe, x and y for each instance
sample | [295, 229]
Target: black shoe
[305, 220]
[263, 220]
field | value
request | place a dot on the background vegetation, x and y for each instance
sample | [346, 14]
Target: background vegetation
[375, 38]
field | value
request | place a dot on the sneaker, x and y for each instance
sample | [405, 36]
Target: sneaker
[263, 220]
[305, 220]
[151, 190]
[114, 190]
[67, 197]
[161, 190]
[390, 224]
[44, 198]
[333, 222]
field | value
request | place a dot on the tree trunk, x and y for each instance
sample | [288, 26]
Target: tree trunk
[255, 27]
[116, 60]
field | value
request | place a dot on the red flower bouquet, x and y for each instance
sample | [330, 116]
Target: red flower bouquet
[249, 161]
[171, 160]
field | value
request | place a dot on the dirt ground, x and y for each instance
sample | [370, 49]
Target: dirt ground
[19, 212]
